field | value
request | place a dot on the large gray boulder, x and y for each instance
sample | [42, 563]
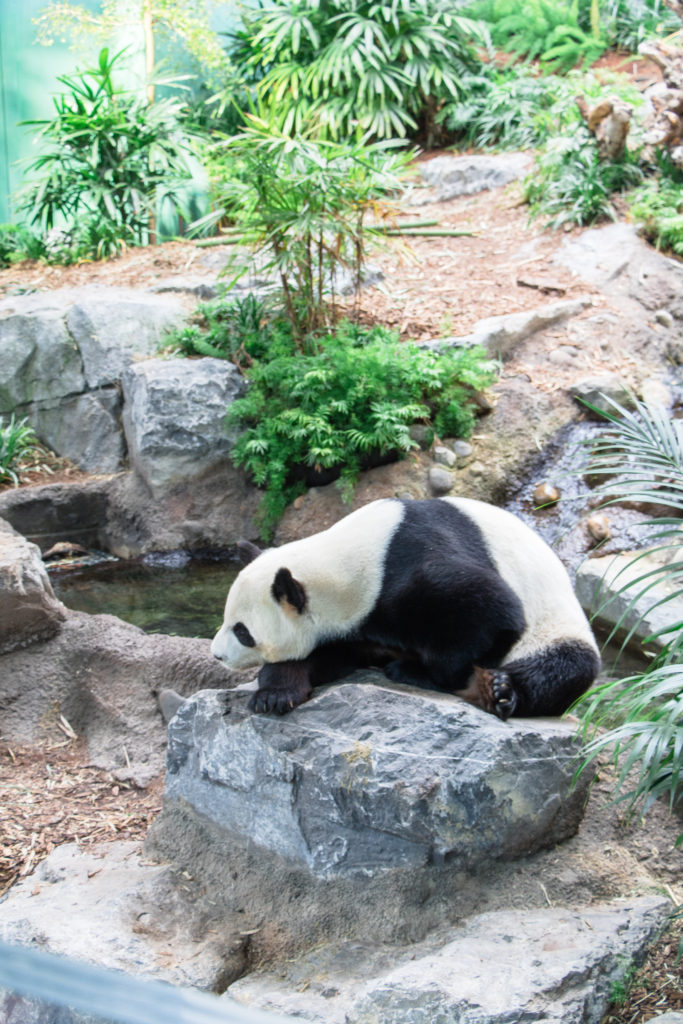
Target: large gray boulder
[63, 355]
[368, 777]
[174, 417]
[29, 610]
[553, 965]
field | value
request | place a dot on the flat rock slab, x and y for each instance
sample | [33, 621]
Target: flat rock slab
[612, 590]
[555, 965]
[452, 176]
[499, 335]
[368, 777]
[108, 906]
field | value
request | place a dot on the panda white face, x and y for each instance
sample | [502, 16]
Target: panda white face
[266, 618]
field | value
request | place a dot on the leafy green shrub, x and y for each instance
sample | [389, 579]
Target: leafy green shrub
[107, 158]
[300, 204]
[350, 403]
[18, 243]
[547, 30]
[570, 184]
[17, 441]
[641, 459]
[659, 205]
[379, 66]
[237, 329]
[504, 110]
[628, 23]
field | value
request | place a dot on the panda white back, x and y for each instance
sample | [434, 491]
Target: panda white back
[534, 572]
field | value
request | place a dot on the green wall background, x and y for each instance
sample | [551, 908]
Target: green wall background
[28, 80]
[28, 74]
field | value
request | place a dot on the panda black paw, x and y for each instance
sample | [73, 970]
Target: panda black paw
[275, 701]
[504, 696]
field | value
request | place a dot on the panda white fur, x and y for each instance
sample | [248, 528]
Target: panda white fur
[449, 593]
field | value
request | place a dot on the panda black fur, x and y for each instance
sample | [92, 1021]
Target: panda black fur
[449, 593]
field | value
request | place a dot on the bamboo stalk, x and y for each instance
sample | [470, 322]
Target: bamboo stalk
[432, 233]
[402, 227]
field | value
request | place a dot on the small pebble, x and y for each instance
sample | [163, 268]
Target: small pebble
[598, 527]
[444, 456]
[440, 480]
[664, 317]
[462, 449]
[546, 494]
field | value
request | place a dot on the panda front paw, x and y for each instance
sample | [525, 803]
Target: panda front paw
[504, 695]
[282, 686]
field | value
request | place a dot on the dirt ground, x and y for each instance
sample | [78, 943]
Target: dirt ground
[432, 287]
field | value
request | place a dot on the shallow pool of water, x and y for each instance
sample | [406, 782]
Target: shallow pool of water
[185, 600]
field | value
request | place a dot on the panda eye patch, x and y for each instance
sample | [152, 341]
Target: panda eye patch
[243, 635]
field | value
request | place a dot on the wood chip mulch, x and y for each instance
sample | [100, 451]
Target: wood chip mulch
[50, 795]
[657, 986]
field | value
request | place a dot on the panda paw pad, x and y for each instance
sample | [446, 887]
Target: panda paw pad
[504, 696]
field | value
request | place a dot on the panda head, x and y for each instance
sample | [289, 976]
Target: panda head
[266, 614]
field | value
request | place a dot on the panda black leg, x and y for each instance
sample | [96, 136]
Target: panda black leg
[282, 686]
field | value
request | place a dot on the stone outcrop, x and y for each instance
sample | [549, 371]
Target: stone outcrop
[552, 965]
[174, 417]
[367, 777]
[29, 610]
[64, 353]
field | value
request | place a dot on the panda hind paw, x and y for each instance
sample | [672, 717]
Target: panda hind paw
[504, 696]
[275, 701]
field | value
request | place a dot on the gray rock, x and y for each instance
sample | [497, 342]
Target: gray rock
[29, 610]
[112, 326]
[642, 607]
[600, 255]
[672, 1017]
[122, 913]
[499, 335]
[366, 777]
[601, 392]
[462, 449]
[440, 480]
[174, 417]
[452, 176]
[39, 358]
[444, 456]
[656, 392]
[554, 965]
[47, 513]
[664, 317]
[103, 675]
[86, 428]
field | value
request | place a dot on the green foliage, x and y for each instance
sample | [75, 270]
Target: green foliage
[18, 243]
[17, 441]
[352, 402]
[107, 158]
[659, 205]
[235, 329]
[570, 184]
[545, 30]
[504, 109]
[641, 459]
[381, 67]
[301, 204]
[628, 23]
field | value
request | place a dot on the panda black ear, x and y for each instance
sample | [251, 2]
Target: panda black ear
[246, 551]
[285, 586]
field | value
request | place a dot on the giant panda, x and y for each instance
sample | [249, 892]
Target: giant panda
[446, 593]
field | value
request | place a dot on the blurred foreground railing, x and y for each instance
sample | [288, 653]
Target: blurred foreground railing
[114, 996]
